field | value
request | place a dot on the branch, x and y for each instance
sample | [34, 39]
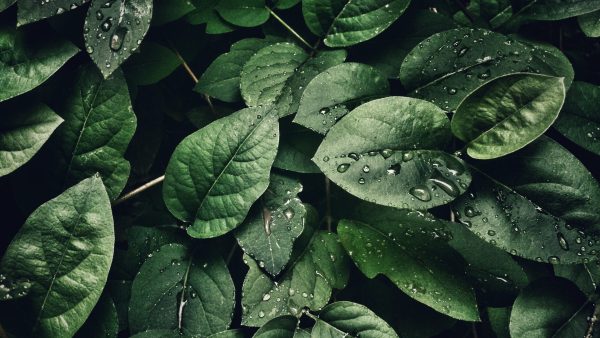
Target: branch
[328, 203]
[290, 29]
[139, 190]
[593, 321]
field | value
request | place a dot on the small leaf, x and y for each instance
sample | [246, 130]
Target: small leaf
[320, 266]
[114, 29]
[410, 249]
[206, 13]
[152, 64]
[279, 327]
[29, 56]
[383, 152]
[285, 4]
[508, 113]
[64, 250]
[590, 24]
[555, 9]
[333, 93]
[31, 11]
[550, 308]
[269, 233]
[217, 173]
[350, 319]
[448, 66]
[222, 78]
[183, 290]
[244, 13]
[585, 276]
[579, 120]
[23, 131]
[103, 321]
[296, 148]
[344, 23]
[166, 11]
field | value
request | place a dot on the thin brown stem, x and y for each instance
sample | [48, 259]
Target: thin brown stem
[138, 190]
[290, 29]
[192, 75]
[328, 203]
[593, 321]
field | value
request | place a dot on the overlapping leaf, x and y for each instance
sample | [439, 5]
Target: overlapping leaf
[554, 9]
[350, 319]
[31, 11]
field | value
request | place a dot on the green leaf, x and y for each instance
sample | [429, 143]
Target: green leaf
[217, 173]
[342, 319]
[153, 63]
[508, 113]
[308, 282]
[207, 14]
[115, 29]
[13, 289]
[279, 327]
[448, 66]
[243, 13]
[285, 4]
[166, 11]
[103, 321]
[549, 60]
[590, 24]
[184, 290]
[333, 93]
[579, 120]
[31, 11]
[550, 308]
[120, 291]
[4, 4]
[64, 249]
[344, 23]
[585, 276]
[382, 152]
[99, 124]
[222, 78]
[23, 131]
[411, 250]
[296, 148]
[556, 9]
[28, 57]
[269, 233]
[499, 320]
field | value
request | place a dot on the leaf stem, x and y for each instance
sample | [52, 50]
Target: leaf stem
[290, 29]
[138, 190]
[328, 203]
[593, 321]
[191, 73]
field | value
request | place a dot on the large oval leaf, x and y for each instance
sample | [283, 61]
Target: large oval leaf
[350, 319]
[336, 91]
[23, 132]
[550, 308]
[114, 29]
[217, 173]
[380, 152]
[579, 120]
[28, 57]
[99, 124]
[31, 11]
[319, 266]
[344, 23]
[269, 233]
[411, 250]
[447, 66]
[508, 113]
[64, 249]
[184, 290]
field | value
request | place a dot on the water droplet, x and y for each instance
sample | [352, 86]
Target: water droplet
[471, 212]
[266, 297]
[288, 213]
[553, 260]
[261, 314]
[106, 25]
[386, 153]
[463, 51]
[361, 181]
[562, 241]
[89, 49]
[446, 185]
[394, 169]
[99, 15]
[116, 40]
[421, 193]
[366, 169]
[342, 168]
[491, 233]
[407, 156]
[353, 156]
[451, 91]
[326, 158]
[291, 292]
[484, 75]
[261, 264]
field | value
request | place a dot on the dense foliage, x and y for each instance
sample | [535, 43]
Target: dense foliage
[299, 168]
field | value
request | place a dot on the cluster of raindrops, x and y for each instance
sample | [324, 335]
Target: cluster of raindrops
[594, 135]
[330, 115]
[13, 289]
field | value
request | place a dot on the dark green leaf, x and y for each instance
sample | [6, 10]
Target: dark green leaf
[410, 249]
[114, 29]
[269, 233]
[380, 152]
[244, 13]
[166, 11]
[332, 94]
[184, 290]
[4, 4]
[590, 24]
[152, 64]
[344, 22]
[31, 11]
[343, 319]
[279, 327]
[64, 249]
[103, 321]
[23, 132]
[585, 276]
[206, 14]
[499, 319]
[508, 113]
[217, 173]
[28, 58]
[321, 266]
[296, 148]
[556, 9]
[550, 308]
[579, 120]
[285, 4]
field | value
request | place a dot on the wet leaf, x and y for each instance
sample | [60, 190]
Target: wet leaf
[508, 113]
[344, 23]
[152, 64]
[555, 9]
[114, 29]
[64, 250]
[103, 321]
[217, 173]
[268, 234]
[296, 148]
[384, 152]
[590, 24]
[333, 93]
[350, 319]
[243, 13]
[182, 289]
[31, 11]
